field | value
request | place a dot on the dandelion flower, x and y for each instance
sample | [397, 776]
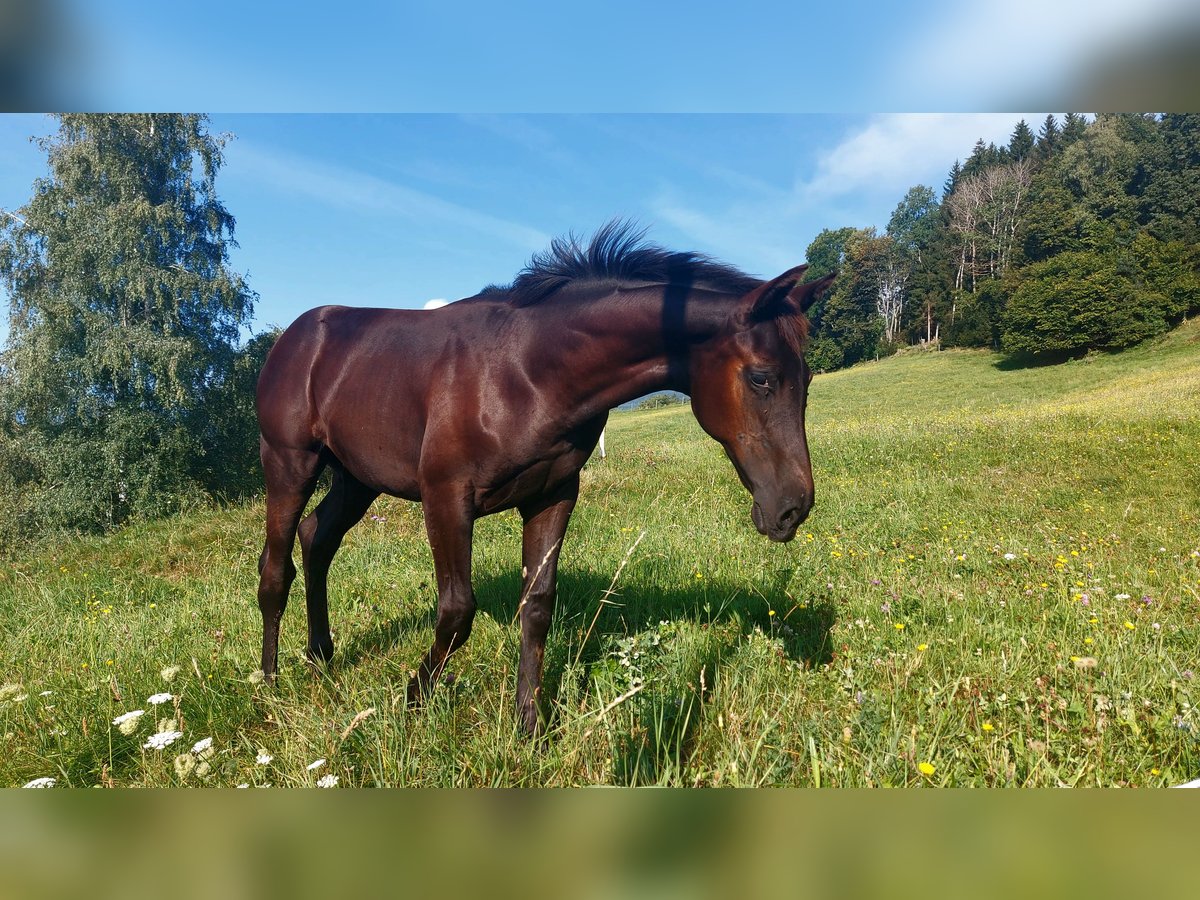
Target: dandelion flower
[44, 782]
[1129, 625]
[316, 764]
[169, 673]
[162, 739]
[127, 723]
[988, 726]
[927, 768]
[200, 746]
[264, 758]
[922, 647]
[899, 626]
[327, 781]
[157, 699]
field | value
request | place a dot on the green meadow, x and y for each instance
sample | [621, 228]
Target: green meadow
[999, 585]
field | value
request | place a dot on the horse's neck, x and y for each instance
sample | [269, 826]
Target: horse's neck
[638, 342]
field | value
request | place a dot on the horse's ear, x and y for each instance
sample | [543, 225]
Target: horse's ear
[783, 294]
[767, 301]
[806, 294]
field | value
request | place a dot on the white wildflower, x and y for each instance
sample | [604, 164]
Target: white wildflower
[169, 673]
[200, 746]
[45, 782]
[45, 693]
[242, 786]
[316, 764]
[127, 723]
[184, 764]
[162, 739]
[157, 699]
[1122, 596]
[264, 758]
[327, 781]
[9, 689]
[1010, 556]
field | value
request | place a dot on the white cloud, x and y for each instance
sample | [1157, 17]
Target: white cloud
[856, 181]
[436, 303]
[895, 151]
[362, 192]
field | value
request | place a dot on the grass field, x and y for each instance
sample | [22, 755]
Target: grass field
[999, 585]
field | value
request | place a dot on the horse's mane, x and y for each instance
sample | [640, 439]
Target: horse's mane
[618, 254]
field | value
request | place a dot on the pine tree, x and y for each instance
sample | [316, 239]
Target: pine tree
[1074, 127]
[951, 180]
[125, 319]
[1020, 145]
[1048, 137]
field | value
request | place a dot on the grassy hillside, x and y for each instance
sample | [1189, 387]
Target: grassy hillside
[999, 585]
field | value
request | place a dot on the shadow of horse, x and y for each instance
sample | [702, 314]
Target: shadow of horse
[588, 635]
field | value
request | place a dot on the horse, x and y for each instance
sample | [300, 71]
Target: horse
[496, 401]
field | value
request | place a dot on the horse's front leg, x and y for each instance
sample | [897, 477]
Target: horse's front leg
[449, 522]
[545, 524]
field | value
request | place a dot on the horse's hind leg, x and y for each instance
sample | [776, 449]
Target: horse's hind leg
[291, 477]
[321, 534]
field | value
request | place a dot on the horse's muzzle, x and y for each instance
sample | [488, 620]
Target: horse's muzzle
[784, 526]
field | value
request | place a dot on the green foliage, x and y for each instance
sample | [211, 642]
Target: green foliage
[914, 221]
[1078, 301]
[662, 400]
[118, 381]
[846, 326]
[978, 319]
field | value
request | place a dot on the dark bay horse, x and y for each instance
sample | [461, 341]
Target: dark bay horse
[497, 401]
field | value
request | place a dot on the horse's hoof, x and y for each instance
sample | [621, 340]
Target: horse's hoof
[416, 693]
[320, 652]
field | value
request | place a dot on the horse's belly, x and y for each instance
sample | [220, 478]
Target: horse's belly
[530, 483]
[381, 467]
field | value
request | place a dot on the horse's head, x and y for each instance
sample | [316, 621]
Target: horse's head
[749, 389]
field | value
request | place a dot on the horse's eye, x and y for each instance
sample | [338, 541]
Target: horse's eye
[760, 379]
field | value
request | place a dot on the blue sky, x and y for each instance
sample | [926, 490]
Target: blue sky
[615, 56]
[396, 210]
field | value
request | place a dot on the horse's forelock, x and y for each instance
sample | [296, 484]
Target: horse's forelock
[793, 328]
